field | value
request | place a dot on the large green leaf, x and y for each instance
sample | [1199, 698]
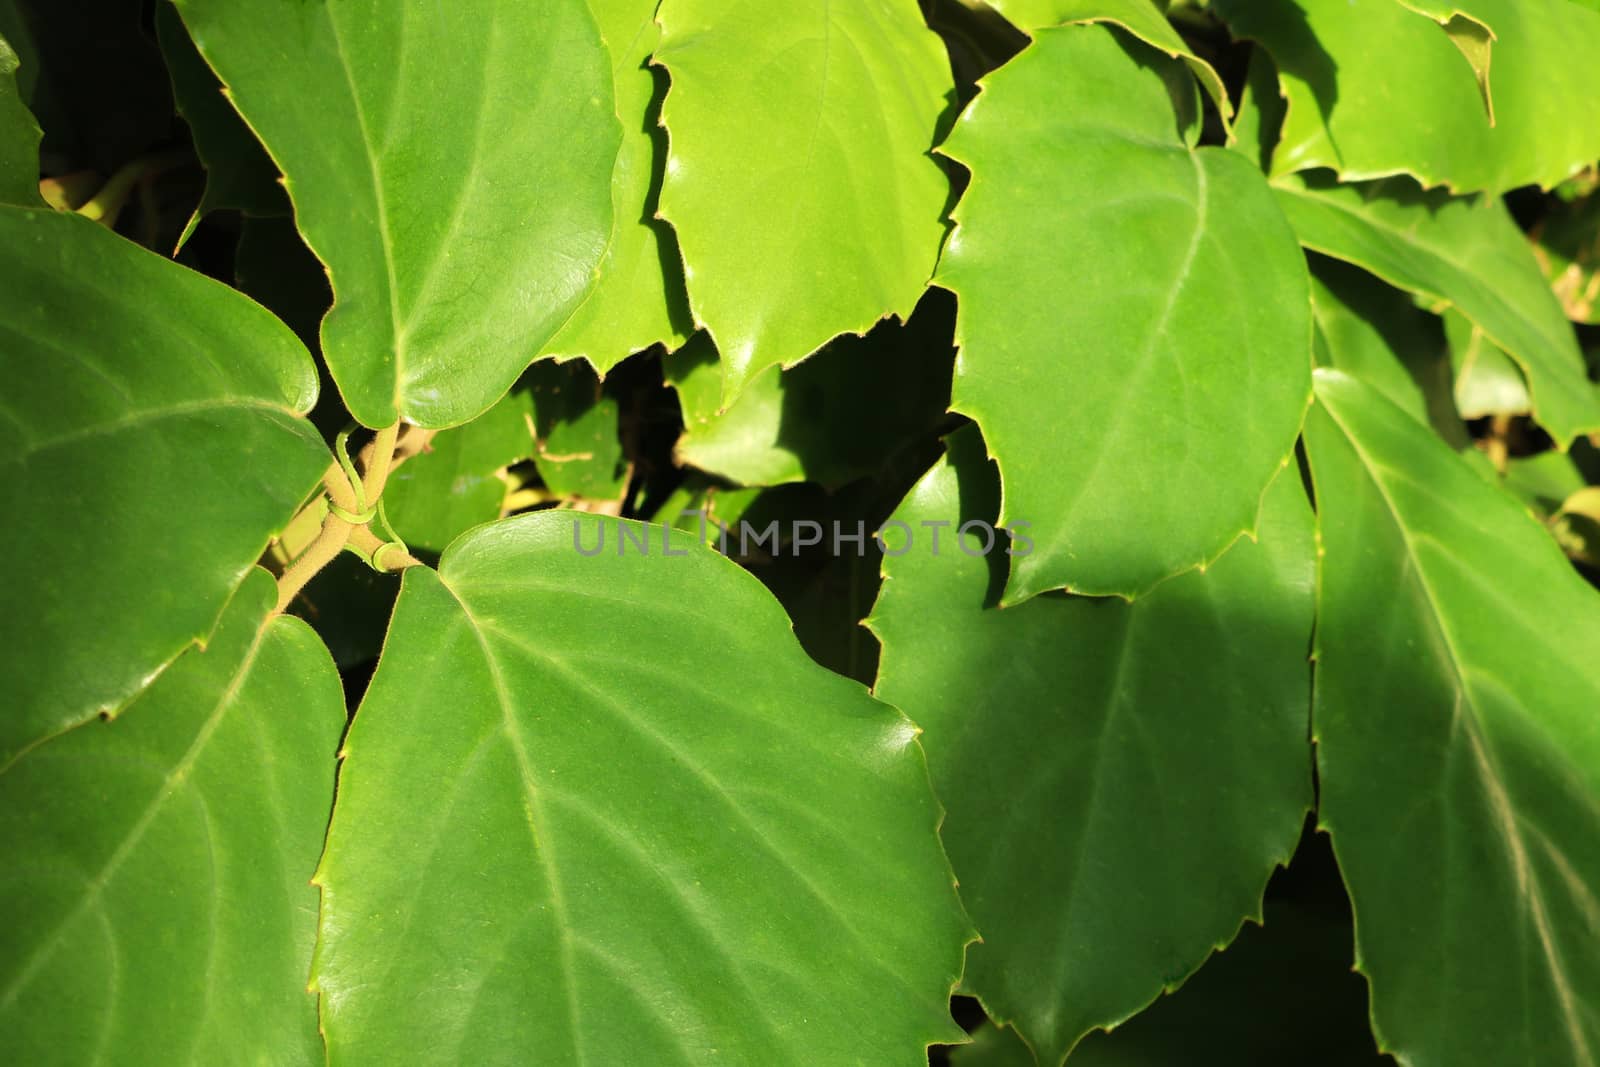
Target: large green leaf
[799, 178]
[639, 298]
[1458, 745]
[604, 810]
[1120, 779]
[1120, 351]
[156, 878]
[1464, 252]
[19, 138]
[150, 444]
[1376, 90]
[452, 167]
[1142, 18]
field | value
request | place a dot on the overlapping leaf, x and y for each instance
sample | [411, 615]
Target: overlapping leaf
[1460, 251]
[835, 417]
[456, 483]
[1375, 89]
[1077, 745]
[603, 809]
[1377, 334]
[149, 446]
[1119, 350]
[1458, 745]
[155, 891]
[799, 176]
[638, 300]
[452, 166]
[1142, 18]
[239, 174]
[19, 138]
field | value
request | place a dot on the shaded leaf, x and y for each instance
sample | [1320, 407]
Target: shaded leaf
[1458, 746]
[1108, 381]
[156, 894]
[1078, 745]
[831, 419]
[462, 206]
[240, 176]
[648, 828]
[807, 205]
[456, 484]
[1464, 252]
[578, 446]
[1378, 334]
[145, 471]
[19, 138]
[1567, 244]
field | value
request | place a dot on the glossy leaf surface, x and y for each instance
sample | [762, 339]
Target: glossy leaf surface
[1110, 379]
[156, 886]
[452, 168]
[167, 408]
[1458, 746]
[841, 140]
[1060, 732]
[648, 827]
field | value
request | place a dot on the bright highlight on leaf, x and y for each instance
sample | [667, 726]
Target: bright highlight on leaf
[1120, 352]
[800, 178]
[155, 888]
[136, 390]
[450, 163]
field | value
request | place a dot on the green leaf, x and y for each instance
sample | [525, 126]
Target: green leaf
[639, 299]
[240, 176]
[1121, 364]
[1377, 334]
[457, 484]
[830, 420]
[164, 436]
[156, 897]
[1281, 993]
[452, 168]
[1487, 380]
[1464, 252]
[19, 138]
[605, 810]
[1060, 733]
[1142, 18]
[806, 202]
[1458, 749]
[1376, 90]
[578, 447]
